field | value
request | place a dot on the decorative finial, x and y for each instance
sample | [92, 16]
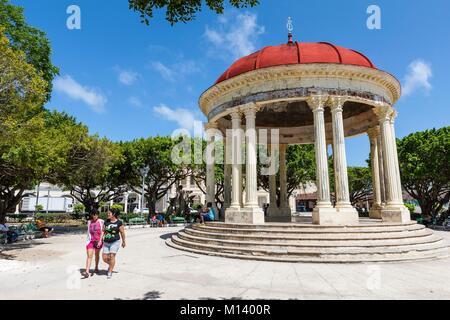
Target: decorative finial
[290, 28]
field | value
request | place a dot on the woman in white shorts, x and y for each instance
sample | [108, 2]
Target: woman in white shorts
[113, 231]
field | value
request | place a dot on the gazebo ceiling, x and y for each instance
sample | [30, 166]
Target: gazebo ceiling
[296, 53]
[298, 114]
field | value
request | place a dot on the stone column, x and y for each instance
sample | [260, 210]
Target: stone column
[273, 207]
[323, 213]
[323, 184]
[240, 159]
[381, 168]
[251, 187]
[397, 167]
[343, 205]
[285, 210]
[339, 156]
[375, 211]
[251, 213]
[210, 166]
[227, 172]
[395, 210]
[236, 154]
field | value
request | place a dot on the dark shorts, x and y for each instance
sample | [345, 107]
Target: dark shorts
[206, 217]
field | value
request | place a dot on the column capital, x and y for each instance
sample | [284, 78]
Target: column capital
[317, 102]
[373, 133]
[383, 112]
[394, 115]
[249, 109]
[336, 103]
[236, 115]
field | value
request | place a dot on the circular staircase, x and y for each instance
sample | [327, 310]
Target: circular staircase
[370, 241]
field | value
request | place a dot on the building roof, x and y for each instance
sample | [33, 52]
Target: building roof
[296, 53]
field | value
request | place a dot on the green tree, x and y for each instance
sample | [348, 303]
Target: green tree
[93, 171]
[198, 171]
[117, 206]
[359, 184]
[300, 169]
[154, 153]
[78, 209]
[23, 155]
[424, 159]
[182, 11]
[29, 40]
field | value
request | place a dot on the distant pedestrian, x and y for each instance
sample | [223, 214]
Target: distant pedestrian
[113, 232]
[94, 241]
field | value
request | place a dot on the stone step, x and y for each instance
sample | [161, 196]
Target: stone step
[321, 243]
[305, 231]
[295, 226]
[339, 258]
[310, 236]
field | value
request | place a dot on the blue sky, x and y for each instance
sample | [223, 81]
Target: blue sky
[127, 80]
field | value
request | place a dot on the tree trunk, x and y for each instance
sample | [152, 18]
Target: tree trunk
[9, 202]
[90, 204]
[152, 206]
[3, 213]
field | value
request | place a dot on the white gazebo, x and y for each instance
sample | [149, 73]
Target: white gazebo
[312, 93]
[309, 93]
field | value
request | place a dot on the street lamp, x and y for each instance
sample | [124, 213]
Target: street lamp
[144, 172]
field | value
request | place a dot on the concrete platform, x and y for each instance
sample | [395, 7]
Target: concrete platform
[368, 241]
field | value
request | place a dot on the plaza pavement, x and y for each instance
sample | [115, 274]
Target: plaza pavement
[148, 269]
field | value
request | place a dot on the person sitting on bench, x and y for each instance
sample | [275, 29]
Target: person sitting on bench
[11, 236]
[40, 224]
[208, 213]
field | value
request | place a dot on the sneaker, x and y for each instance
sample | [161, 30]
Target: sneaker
[109, 275]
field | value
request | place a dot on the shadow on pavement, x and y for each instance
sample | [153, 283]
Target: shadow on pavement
[167, 235]
[151, 295]
[4, 249]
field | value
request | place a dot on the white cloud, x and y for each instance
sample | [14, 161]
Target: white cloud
[135, 101]
[237, 35]
[127, 77]
[164, 71]
[418, 77]
[183, 117]
[176, 71]
[92, 97]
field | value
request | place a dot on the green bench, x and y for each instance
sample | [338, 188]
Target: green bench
[137, 221]
[176, 220]
[3, 238]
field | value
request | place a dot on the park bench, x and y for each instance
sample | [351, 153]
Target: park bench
[23, 231]
[137, 221]
[27, 231]
[3, 238]
[177, 220]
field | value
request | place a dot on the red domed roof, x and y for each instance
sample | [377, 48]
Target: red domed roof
[296, 53]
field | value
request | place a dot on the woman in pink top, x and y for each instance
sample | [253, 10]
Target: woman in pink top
[94, 241]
